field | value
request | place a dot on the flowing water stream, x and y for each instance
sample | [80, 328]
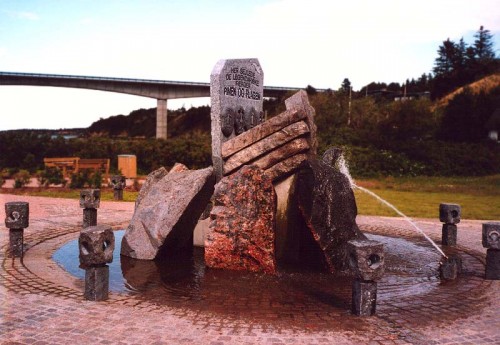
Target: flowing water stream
[342, 166]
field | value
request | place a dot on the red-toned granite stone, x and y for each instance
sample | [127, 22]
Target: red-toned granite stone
[241, 232]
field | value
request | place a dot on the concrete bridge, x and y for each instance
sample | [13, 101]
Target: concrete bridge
[161, 90]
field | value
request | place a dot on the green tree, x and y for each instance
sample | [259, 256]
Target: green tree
[51, 176]
[483, 45]
[22, 178]
[446, 61]
[346, 86]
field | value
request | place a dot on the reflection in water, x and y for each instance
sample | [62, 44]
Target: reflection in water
[180, 274]
[410, 269]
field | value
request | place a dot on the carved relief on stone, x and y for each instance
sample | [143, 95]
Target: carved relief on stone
[239, 122]
[227, 122]
[261, 116]
[250, 118]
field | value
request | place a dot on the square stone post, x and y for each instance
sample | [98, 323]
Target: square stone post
[90, 200]
[450, 267]
[16, 220]
[491, 241]
[449, 214]
[366, 259]
[118, 183]
[96, 245]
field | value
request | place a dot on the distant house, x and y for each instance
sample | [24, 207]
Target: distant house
[398, 95]
[493, 125]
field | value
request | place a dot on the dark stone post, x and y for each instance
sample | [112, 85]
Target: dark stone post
[16, 220]
[89, 201]
[449, 214]
[118, 183]
[491, 241]
[366, 259]
[450, 267]
[96, 245]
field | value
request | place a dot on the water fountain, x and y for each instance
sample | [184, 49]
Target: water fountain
[342, 166]
[334, 265]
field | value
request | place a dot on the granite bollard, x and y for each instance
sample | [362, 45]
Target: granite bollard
[118, 182]
[366, 259]
[90, 200]
[16, 220]
[491, 241]
[449, 235]
[449, 214]
[450, 267]
[96, 245]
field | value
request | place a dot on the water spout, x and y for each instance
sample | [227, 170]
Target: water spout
[342, 166]
[405, 217]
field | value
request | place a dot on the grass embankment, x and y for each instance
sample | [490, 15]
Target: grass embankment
[419, 197]
[479, 197]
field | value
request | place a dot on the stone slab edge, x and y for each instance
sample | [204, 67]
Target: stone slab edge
[286, 167]
[299, 101]
[261, 131]
[265, 145]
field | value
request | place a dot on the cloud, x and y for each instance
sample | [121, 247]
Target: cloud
[24, 15]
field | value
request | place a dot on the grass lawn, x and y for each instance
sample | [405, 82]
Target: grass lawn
[106, 194]
[415, 197]
[479, 197]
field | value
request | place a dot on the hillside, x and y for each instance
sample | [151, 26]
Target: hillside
[142, 123]
[486, 84]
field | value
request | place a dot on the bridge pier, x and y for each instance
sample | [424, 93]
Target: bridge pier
[161, 119]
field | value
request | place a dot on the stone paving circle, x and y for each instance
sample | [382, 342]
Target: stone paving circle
[41, 303]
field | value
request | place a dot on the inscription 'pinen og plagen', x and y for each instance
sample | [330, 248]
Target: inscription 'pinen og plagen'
[241, 92]
[243, 79]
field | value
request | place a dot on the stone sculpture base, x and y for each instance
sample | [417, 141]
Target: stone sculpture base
[96, 283]
[89, 217]
[492, 271]
[364, 297]
[449, 235]
[16, 238]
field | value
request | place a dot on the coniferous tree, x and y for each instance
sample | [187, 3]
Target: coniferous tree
[447, 58]
[483, 45]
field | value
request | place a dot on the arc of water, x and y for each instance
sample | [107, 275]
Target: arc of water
[342, 166]
[405, 217]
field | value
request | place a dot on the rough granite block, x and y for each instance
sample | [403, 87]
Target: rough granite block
[449, 235]
[96, 283]
[364, 297]
[17, 215]
[449, 213]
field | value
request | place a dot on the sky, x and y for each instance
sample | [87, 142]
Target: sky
[297, 42]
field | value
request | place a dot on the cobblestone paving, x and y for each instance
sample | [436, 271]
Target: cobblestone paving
[40, 303]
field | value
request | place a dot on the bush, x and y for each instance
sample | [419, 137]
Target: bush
[84, 179]
[2, 181]
[371, 162]
[51, 176]
[79, 180]
[21, 179]
[96, 180]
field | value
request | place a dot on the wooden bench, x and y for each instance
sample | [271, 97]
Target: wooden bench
[70, 165]
[97, 164]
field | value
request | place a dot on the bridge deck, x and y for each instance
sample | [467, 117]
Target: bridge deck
[159, 89]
